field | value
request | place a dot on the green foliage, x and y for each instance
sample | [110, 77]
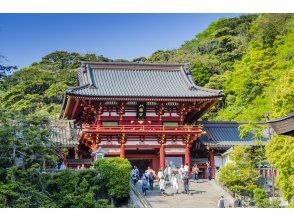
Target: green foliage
[115, 173]
[240, 175]
[262, 81]
[280, 153]
[81, 189]
[39, 89]
[260, 199]
[250, 58]
[4, 70]
[283, 99]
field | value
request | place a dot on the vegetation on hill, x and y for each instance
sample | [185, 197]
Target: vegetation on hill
[250, 58]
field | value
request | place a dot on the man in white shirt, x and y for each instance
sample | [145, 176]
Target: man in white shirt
[186, 168]
[181, 171]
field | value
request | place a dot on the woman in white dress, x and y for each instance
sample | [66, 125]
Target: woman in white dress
[162, 185]
[175, 183]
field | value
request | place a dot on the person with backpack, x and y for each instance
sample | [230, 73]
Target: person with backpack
[135, 175]
[221, 202]
[144, 186]
[151, 176]
[237, 202]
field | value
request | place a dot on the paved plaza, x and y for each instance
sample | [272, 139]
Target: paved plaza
[203, 194]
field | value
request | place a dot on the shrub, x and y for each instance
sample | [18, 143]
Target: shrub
[240, 175]
[115, 173]
[260, 199]
[76, 189]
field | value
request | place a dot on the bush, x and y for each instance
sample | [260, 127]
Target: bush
[260, 199]
[239, 175]
[115, 173]
[81, 189]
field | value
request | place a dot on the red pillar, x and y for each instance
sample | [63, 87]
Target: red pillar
[122, 151]
[212, 164]
[76, 153]
[161, 157]
[187, 155]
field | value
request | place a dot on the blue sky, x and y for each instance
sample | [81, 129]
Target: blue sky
[25, 38]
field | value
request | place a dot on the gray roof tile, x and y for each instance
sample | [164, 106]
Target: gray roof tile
[138, 80]
[226, 134]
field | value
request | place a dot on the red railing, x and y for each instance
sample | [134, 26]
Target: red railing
[143, 129]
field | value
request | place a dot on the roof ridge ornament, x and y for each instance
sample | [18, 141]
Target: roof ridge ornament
[192, 88]
[90, 76]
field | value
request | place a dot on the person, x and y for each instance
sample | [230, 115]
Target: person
[237, 202]
[186, 168]
[62, 166]
[160, 173]
[151, 179]
[151, 176]
[169, 171]
[166, 178]
[208, 170]
[221, 202]
[195, 171]
[144, 185]
[162, 185]
[186, 182]
[175, 183]
[135, 175]
[181, 171]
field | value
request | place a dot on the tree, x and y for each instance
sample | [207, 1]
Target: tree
[280, 153]
[4, 70]
[115, 172]
[240, 176]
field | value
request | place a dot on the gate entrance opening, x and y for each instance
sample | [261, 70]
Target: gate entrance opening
[142, 165]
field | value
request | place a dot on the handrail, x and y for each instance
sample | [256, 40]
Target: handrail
[150, 128]
[142, 199]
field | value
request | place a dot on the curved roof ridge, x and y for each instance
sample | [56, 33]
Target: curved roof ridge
[282, 118]
[132, 64]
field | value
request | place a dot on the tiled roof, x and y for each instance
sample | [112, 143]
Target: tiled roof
[138, 80]
[284, 125]
[226, 134]
[64, 134]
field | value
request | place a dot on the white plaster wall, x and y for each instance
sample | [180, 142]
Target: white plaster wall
[151, 114]
[218, 161]
[130, 114]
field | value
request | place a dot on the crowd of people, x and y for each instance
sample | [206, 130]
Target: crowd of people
[167, 176]
[172, 177]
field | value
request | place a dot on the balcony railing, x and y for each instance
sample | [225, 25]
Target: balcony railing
[78, 161]
[182, 129]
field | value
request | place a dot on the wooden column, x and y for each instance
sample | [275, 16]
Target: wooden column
[161, 157]
[76, 152]
[187, 155]
[160, 110]
[188, 141]
[122, 150]
[161, 140]
[121, 110]
[212, 164]
[98, 112]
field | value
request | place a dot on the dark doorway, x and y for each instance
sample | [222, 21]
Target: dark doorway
[142, 165]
